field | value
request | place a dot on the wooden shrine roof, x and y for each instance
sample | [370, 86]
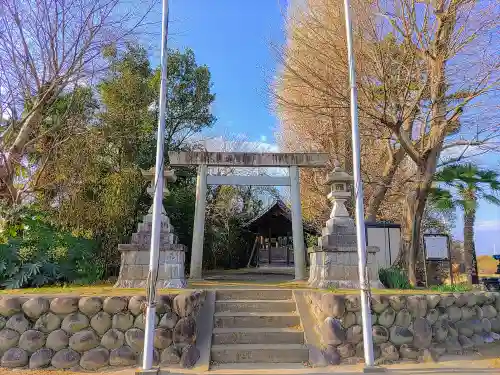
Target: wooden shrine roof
[277, 218]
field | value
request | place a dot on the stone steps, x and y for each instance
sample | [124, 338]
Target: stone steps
[256, 320]
[254, 294]
[259, 326]
[229, 336]
[260, 353]
[258, 368]
[255, 306]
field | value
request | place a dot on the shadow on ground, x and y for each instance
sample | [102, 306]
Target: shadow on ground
[444, 370]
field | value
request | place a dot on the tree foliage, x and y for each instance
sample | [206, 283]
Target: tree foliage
[227, 242]
[189, 100]
[92, 183]
[47, 50]
[462, 186]
[78, 120]
[455, 182]
[36, 252]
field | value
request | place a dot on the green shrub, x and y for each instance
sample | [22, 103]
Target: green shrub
[394, 278]
[37, 253]
[445, 288]
[311, 240]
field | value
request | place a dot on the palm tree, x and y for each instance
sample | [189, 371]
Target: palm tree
[462, 186]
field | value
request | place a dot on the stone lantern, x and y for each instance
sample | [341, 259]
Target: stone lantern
[168, 176]
[339, 193]
[134, 266]
[334, 261]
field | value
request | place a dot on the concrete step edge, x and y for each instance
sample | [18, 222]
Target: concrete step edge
[256, 330]
[260, 367]
[255, 314]
[247, 294]
[283, 347]
[229, 290]
[258, 336]
[283, 301]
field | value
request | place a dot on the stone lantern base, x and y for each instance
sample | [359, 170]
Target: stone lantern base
[134, 266]
[334, 261]
[339, 268]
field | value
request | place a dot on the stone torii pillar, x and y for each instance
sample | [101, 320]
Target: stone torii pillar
[199, 224]
[299, 252]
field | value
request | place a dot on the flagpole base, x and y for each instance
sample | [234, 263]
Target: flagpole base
[373, 370]
[153, 371]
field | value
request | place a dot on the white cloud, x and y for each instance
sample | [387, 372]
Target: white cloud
[488, 225]
[6, 114]
[237, 143]
[263, 138]
[465, 152]
[456, 152]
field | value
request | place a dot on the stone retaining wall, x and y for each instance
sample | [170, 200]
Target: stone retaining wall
[89, 333]
[414, 327]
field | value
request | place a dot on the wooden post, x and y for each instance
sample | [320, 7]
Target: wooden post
[253, 251]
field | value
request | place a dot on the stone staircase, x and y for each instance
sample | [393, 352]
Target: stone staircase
[257, 326]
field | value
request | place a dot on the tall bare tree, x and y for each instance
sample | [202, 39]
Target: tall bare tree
[458, 67]
[48, 48]
[312, 97]
[425, 72]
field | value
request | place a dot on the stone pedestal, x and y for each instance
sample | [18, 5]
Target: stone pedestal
[334, 261]
[339, 269]
[134, 268]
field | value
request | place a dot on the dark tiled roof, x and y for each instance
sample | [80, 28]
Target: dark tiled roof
[285, 211]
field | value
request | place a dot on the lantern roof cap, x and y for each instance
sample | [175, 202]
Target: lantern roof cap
[338, 175]
[168, 174]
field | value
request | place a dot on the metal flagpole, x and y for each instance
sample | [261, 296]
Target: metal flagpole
[147, 361]
[358, 191]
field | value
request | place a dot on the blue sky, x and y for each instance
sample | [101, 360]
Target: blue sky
[236, 40]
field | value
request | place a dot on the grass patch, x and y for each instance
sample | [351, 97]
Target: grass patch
[108, 289]
[96, 290]
[452, 288]
[394, 278]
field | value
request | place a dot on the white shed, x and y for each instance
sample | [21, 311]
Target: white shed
[385, 236]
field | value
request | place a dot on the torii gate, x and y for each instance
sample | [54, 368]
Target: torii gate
[203, 160]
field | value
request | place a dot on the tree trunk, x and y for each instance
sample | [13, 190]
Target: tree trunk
[469, 246]
[15, 152]
[413, 212]
[475, 275]
[428, 157]
[380, 190]
[410, 236]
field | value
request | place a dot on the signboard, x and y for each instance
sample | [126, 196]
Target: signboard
[436, 250]
[436, 246]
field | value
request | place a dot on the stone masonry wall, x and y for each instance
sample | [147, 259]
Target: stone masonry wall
[89, 333]
[413, 327]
